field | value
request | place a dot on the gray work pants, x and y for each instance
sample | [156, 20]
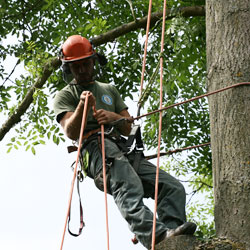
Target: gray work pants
[128, 189]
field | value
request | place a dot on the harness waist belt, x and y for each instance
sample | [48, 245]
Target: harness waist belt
[91, 132]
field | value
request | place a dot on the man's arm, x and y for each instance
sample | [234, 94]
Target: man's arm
[71, 121]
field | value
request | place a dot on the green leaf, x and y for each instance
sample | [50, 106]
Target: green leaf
[33, 150]
[9, 149]
[42, 142]
[48, 135]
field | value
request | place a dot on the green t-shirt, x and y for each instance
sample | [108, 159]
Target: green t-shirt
[107, 97]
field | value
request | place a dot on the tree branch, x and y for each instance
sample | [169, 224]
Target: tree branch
[24, 105]
[8, 77]
[98, 40]
[141, 23]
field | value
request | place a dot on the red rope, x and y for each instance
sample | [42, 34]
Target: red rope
[104, 183]
[160, 127]
[192, 99]
[75, 170]
[146, 45]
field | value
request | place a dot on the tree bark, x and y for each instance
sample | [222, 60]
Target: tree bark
[186, 242]
[228, 62]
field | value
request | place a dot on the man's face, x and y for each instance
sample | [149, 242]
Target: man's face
[82, 70]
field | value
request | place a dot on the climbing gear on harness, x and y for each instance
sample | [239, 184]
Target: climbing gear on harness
[135, 146]
[134, 240]
[82, 224]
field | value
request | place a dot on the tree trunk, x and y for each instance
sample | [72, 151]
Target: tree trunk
[228, 62]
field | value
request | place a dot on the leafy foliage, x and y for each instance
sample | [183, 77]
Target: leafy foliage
[200, 212]
[184, 77]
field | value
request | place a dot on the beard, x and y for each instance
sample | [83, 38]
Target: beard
[83, 79]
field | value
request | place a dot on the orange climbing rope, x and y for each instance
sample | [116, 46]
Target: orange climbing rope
[160, 128]
[192, 99]
[104, 179]
[104, 183]
[145, 49]
[75, 170]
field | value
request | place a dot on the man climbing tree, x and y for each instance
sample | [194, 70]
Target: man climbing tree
[129, 178]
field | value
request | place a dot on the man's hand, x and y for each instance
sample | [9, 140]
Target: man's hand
[91, 99]
[71, 121]
[104, 117]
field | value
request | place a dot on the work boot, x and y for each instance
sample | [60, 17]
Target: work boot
[187, 228]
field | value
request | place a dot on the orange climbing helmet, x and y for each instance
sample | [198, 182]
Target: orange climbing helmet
[76, 48]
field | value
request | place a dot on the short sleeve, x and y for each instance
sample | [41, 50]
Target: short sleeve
[119, 103]
[63, 102]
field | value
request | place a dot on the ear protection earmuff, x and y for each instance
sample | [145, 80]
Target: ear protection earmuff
[102, 59]
[67, 75]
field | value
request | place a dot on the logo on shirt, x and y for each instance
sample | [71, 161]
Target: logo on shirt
[107, 99]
